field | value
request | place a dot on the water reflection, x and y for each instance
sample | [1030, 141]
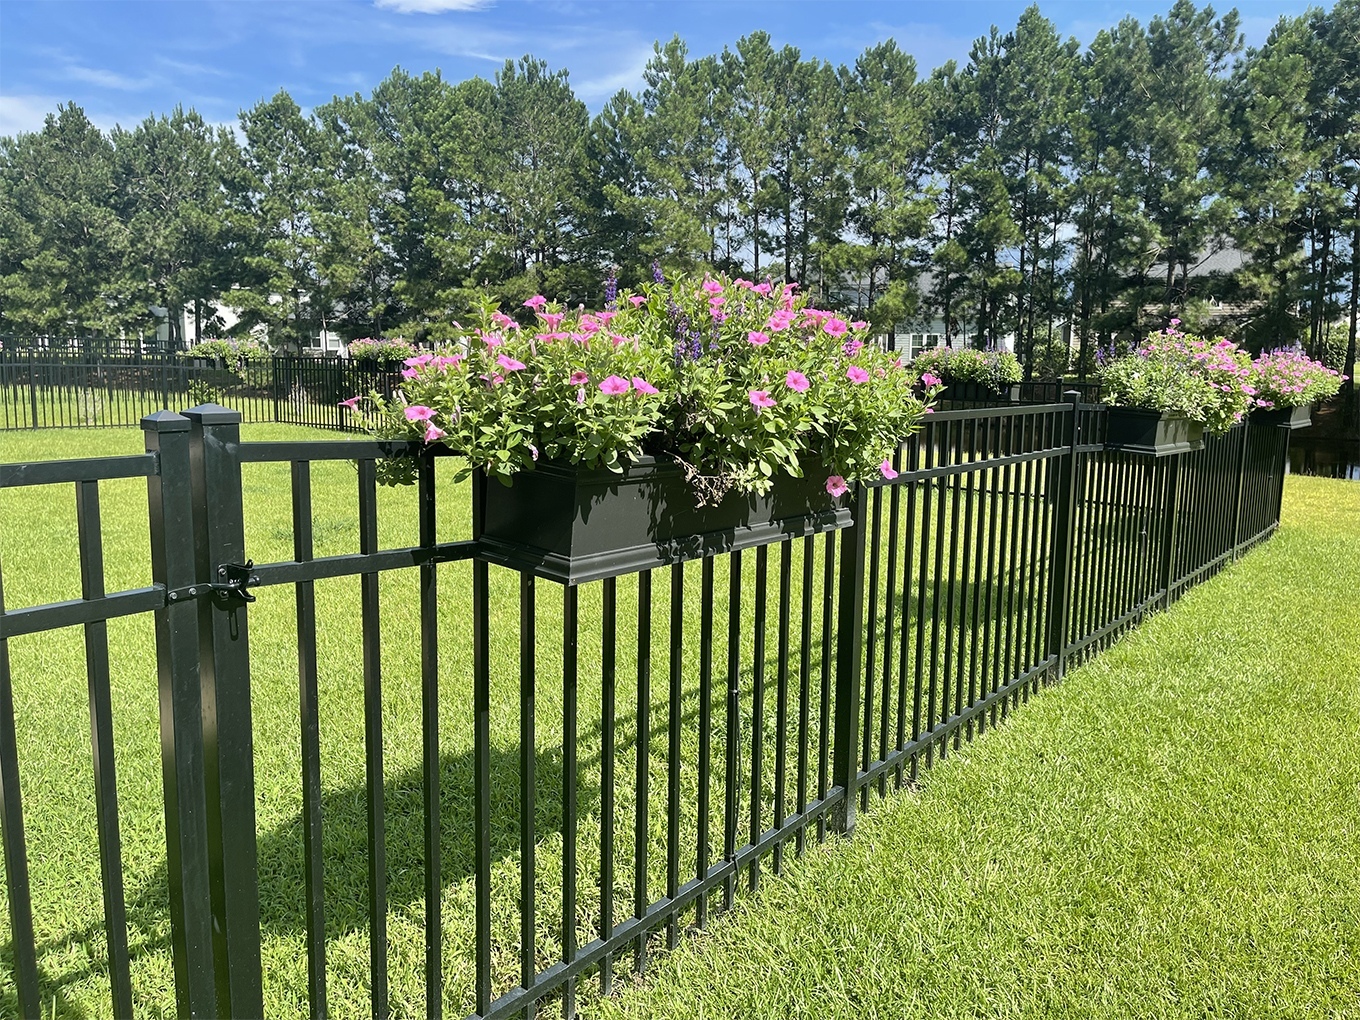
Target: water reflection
[1334, 459]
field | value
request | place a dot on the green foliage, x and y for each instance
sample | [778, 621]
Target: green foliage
[737, 381]
[994, 369]
[1183, 375]
[231, 352]
[384, 350]
[1032, 185]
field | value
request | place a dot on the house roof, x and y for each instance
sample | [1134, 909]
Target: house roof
[1222, 258]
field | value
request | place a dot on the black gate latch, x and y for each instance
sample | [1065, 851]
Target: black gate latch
[233, 583]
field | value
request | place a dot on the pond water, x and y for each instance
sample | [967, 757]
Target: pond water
[1330, 460]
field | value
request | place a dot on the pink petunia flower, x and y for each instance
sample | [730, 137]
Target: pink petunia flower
[834, 326]
[410, 373]
[419, 412]
[761, 398]
[510, 364]
[930, 379]
[579, 378]
[614, 385]
[536, 302]
[351, 403]
[888, 471]
[433, 432]
[859, 324]
[553, 319]
[643, 386]
[637, 299]
[836, 486]
[796, 381]
[758, 338]
[712, 287]
[856, 374]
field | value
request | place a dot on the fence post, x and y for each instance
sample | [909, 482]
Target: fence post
[1171, 521]
[1064, 540]
[1237, 492]
[224, 670]
[849, 661]
[170, 505]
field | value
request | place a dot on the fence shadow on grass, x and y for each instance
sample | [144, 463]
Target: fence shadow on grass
[344, 812]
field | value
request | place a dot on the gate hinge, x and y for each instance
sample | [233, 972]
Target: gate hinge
[232, 584]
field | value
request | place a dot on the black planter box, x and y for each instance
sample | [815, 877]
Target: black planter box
[1152, 433]
[978, 393]
[1284, 417]
[573, 525]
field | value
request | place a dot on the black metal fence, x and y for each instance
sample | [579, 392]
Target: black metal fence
[86, 389]
[808, 675]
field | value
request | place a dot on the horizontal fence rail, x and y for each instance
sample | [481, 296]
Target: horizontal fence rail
[593, 769]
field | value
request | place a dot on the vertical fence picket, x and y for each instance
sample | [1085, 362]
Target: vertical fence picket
[1064, 541]
[849, 670]
[309, 713]
[17, 884]
[101, 746]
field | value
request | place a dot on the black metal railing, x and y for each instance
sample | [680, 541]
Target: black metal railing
[87, 389]
[810, 674]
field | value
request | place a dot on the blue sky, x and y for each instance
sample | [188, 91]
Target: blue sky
[121, 61]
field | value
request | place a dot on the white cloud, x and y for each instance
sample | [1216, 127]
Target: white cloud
[106, 79]
[20, 114]
[27, 113]
[604, 86]
[429, 6]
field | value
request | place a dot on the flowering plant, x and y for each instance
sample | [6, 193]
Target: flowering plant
[383, 349]
[232, 352]
[735, 381]
[1183, 375]
[993, 369]
[1289, 378]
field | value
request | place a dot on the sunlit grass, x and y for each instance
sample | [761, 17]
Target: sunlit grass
[1171, 833]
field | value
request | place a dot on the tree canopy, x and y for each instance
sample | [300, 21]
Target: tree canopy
[1039, 183]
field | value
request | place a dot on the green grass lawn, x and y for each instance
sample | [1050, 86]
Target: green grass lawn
[38, 553]
[39, 557]
[1173, 832]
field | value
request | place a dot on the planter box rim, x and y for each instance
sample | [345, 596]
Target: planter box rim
[1298, 417]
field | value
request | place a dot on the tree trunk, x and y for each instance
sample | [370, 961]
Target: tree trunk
[1349, 367]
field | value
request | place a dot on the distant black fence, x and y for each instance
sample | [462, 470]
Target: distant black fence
[88, 389]
[830, 667]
